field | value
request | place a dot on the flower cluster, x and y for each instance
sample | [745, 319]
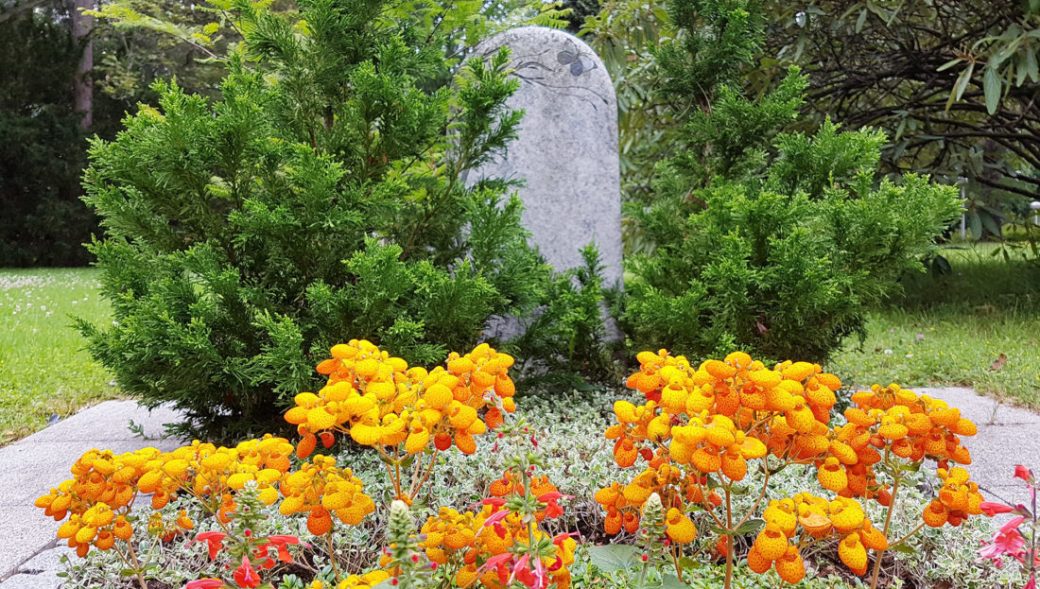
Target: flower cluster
[699, 427]
[97, 498]
[811, 518]
[214, 474]
[379, 401]
[957, 499]
[321, 489]
[892, 423]
[502, 543]
[707, 422]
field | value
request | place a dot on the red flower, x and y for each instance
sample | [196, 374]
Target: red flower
[991, 508]
[215, 540]
[1021, 472]
[552, 508]
[279, 542]
[1008, 541]
[245, 575]
[205, 584]
[500, 564]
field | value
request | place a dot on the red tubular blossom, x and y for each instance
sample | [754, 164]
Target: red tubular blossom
[246, 576]
[215, 541]
[992, 508]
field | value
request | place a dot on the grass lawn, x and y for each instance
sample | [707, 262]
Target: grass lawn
[44, 370]
[977, 326]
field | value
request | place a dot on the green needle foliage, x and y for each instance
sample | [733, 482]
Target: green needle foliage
[763, 238]
[320, 199]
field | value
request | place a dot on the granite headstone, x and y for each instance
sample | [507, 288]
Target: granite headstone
[566, 154]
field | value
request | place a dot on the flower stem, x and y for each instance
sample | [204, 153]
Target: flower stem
[888, 524]
[135, 564]
[906, 537]
[729, 528]
[332, 556]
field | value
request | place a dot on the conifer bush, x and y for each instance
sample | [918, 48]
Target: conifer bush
[763, 235]
[320, 195]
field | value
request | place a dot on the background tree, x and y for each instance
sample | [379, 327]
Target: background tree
[42, 141]
[955, 86]
[63, 81]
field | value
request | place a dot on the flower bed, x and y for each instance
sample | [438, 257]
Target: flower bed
[742, 470]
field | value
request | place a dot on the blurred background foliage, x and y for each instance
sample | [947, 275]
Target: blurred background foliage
[952, 84]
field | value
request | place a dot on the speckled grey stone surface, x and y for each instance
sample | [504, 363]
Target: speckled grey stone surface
[567, 150]
[33, 465]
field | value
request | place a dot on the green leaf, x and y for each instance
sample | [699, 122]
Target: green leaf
[613, 557]
[1031, 66]
[975, 225]
[672, 582]
[991, 85]
[989, 223]
[960, 85]
[903, 549]
[751, 526]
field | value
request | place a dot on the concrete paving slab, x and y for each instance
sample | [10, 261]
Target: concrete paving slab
[30, 532]
[35, 464]
[39, 572]
[1007, 436]
[48, 560]
[108, 421]
[44, 580]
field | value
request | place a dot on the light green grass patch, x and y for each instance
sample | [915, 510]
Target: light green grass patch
[44, 369]
[978, 326]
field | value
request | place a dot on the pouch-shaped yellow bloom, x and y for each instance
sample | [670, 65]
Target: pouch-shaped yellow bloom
[752, 448]
[831, 475]
[799, 371]
[366, 435]
[758, 563]
[765, 378]
[790, 566]
[846, 515]
[771, 543]
[319, 419]
[679, 527]
[780, 513]
[852, 552]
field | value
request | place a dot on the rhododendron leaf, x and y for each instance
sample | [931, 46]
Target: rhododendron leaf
[614, 557]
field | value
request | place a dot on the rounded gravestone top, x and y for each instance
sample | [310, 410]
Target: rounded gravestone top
[556, 61]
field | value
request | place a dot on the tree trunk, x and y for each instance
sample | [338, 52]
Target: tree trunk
[83, 84]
